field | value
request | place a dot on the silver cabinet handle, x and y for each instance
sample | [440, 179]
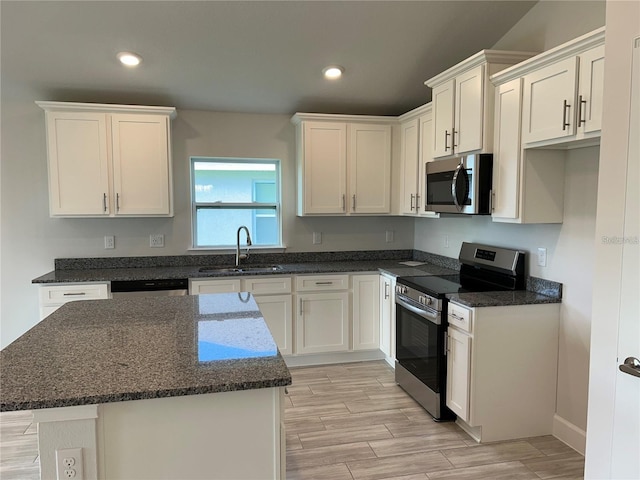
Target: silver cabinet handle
[104, 202]
[386, 290]
[343, 203]
[565, 107]
[353, 207]
[446, 137]
[631, 366]
[456, 316]
[492, 197]
[117, 202]
[446, 342]
[74, 294]
[580, 103]
[417, 202]
[453, 138]
[412, 198]
[300, 307]
[324, 283]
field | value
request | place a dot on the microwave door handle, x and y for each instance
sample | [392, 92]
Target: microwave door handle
[454, 188]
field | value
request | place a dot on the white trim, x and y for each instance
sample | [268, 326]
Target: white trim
[105, 107]
[64, 414]
[416, 112]
[304, 360]
[300, 117]
[570, 434]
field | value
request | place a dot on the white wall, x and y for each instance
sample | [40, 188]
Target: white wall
[31, 240]
[570, 245]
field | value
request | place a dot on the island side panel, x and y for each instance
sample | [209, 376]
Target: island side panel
[230, 435]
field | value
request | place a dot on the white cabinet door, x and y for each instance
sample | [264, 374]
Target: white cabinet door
[276, 311]
[325, 168]
[468, 113]
[506, 157]
[443, 110]
[369, 168]
[141, 167]
[322, 322]
[78, 163]
[549, 109]
[409, 138]
[366, 312]
[590, 90]
[425, 156]
[458, 372]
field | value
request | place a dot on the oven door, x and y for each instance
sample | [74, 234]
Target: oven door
[450, 186]
[420, 343]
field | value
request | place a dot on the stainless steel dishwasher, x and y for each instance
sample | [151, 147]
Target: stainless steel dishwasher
[149, 288]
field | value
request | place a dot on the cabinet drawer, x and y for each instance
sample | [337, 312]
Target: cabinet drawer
[322, 282]
[197, 287]
[267, 286]
[59, 294]
[460, 317]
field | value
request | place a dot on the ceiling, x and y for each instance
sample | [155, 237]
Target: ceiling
[260, 56]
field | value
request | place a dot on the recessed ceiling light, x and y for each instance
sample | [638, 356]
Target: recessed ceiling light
[332, 72]
[129, 59]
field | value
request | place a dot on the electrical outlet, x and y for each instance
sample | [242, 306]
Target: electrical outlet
[317, 238]
[542, 257]
[445, 241]
[69, 464]
[389, 236]
[109, 241]
[156, 240]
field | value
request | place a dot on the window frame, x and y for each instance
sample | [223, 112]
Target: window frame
[195, 206]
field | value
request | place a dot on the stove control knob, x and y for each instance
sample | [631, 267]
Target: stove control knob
[429, 301]
[422, 299]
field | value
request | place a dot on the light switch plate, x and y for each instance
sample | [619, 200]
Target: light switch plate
[317, 238]
[542, 257]
[389, 236]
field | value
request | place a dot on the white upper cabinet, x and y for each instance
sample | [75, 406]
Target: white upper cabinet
[415, 152]
[108, 160]
[462, 101]
[344, 164]
[562, 96]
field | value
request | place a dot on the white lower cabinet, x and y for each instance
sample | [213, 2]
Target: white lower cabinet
[388, 317]
[322, 322]
[502, 369]
[366, 311]
[314, 314]
[53, 297]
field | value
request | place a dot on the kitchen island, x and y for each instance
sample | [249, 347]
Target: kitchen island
[163, 387]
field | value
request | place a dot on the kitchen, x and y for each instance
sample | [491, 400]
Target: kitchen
[30, 247]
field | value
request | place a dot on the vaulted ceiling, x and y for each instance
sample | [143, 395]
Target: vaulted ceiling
[241, 56]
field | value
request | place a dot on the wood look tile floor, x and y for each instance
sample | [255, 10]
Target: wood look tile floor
[352, 422]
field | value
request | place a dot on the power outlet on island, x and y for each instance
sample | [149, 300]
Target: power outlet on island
[109, 241]
[156, 240]
[69, 464]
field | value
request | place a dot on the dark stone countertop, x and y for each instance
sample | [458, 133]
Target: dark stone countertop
[502, 299]
[392, 267]
[101, 351]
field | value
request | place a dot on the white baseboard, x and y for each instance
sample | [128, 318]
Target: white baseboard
[568, 433]
[308, 359]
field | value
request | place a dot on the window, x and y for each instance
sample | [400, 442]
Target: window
[228, 193]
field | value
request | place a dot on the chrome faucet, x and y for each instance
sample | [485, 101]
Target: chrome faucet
[243, 256]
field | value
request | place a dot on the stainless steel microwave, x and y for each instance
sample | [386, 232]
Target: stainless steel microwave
[460, 185]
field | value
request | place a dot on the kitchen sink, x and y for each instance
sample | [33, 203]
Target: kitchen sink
[240, 269]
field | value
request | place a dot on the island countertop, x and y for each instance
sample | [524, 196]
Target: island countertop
[101, 351]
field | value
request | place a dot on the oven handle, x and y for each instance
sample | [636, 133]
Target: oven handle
[426, 314]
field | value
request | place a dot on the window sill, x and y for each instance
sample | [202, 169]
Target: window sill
[252, 249]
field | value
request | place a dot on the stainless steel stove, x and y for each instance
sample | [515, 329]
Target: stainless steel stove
[421, 318]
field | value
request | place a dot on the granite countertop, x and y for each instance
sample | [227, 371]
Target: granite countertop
[392, 267]
[101, 351]
[502, 299]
